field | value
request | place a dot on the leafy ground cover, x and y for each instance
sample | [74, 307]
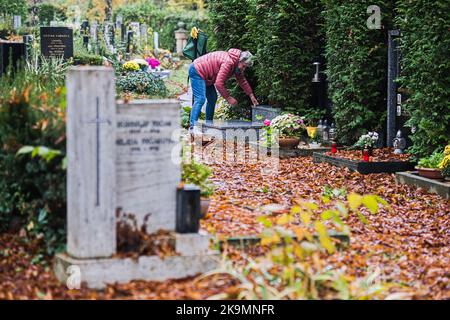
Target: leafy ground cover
[407, 241]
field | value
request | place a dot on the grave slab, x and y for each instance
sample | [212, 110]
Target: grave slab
[232, 129]
[412, 178]
[365, 167]
[97, 273]
[261, 113]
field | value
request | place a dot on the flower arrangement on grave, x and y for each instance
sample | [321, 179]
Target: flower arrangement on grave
[367, 141]
[153, 63]
[444, 165]
[143, 64]
[288, 126]
[131, 66]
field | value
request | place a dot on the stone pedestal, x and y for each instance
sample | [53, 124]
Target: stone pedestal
[181, 37]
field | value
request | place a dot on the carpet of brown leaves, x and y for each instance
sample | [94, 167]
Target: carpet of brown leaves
[409, 244]
[378, 155]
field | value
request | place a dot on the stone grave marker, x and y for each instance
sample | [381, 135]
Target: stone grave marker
[121, 162]
[17, 22]
[261, 113]
[57, 42]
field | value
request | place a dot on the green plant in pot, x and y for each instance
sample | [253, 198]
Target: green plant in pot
[428, 167]
[198, 174]
[290, 129]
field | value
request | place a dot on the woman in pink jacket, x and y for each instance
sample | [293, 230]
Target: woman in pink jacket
[210, 72]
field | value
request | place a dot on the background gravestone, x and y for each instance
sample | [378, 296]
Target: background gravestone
[11, 53]
[147, 178]
[57, 42]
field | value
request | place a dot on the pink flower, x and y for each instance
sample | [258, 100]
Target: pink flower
[153, 63]
[267, 122]
[300, 121]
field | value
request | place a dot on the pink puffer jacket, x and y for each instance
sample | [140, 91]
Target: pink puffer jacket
[216, 67]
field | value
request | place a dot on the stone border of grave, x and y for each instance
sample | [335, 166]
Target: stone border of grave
[365, 167]
[412, 178]
[291, 153]
[244, 242]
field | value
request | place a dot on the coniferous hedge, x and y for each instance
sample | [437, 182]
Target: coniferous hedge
[230, 28]
[356, 66]
[425, 72]
[288, 40]
[285, 35]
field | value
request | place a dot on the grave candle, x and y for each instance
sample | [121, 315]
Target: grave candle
[366, 155]
[333, 147]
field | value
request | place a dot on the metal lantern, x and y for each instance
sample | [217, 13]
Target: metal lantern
[317, 73]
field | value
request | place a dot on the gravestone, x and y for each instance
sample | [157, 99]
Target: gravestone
[156, 42]
[17, 22]
[261, 113]
[11, 53]
[57, 42]
[121, 162]
[84, 31]
[396, 117]
[146, 175]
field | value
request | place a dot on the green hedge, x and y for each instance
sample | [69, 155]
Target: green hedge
[33, 190]
[285, 37]
[13, 7]
[164, 21]
[287, 34]
[356, 66]
[47, 12]
[425, 48]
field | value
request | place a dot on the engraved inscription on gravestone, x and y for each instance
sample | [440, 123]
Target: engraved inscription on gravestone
[57, 42]
[147, 177]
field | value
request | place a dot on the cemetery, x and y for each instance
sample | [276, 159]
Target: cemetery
[318, 167]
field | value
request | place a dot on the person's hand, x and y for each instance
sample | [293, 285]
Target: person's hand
[254, 100]
[232, 101]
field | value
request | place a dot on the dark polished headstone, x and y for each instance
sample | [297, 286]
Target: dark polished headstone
[11, 53]
[261, 113]
[57, 42]
[393, 73]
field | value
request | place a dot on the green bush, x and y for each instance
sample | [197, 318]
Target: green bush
[288, 41]
[356, 66]
[85, 58]
[141, 82]
[47, 12]
[164, 21]
[425, 47]
[33, 190]
[198, 174]
[16, 7]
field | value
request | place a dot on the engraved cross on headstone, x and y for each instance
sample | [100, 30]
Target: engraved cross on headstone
[98, 121]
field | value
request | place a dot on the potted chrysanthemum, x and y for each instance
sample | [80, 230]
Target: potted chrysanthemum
[289, 128]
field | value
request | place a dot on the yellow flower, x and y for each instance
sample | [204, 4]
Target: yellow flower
[447, 150]
[131, 66]
[445, 162]
[194, 33]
